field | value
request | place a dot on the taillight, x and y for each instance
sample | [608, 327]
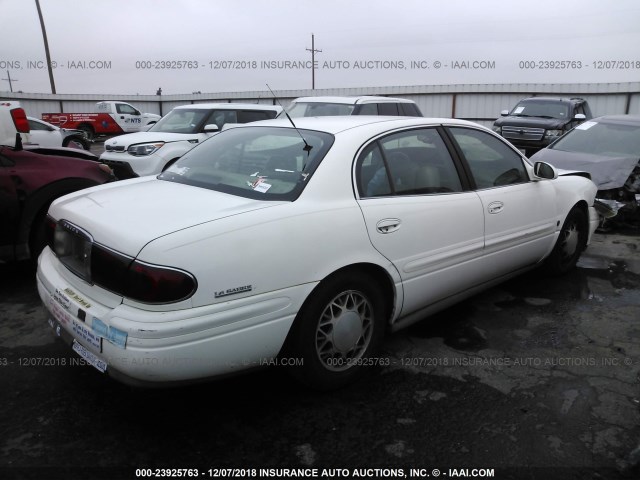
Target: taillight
[113, 271]
[157, 284]
[137, 280]
[109, 268]
[20, 120]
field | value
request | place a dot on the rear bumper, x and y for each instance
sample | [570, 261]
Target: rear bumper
[161, 348]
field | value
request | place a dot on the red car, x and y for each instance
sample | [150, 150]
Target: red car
[31, 179]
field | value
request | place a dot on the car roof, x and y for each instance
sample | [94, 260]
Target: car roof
[552, 99]
[339, 124]
[352, 100]
[230, 106]
[621, 119]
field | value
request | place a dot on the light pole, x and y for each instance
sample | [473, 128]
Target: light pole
[46, 47]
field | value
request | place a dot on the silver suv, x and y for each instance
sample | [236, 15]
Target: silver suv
[364, 105]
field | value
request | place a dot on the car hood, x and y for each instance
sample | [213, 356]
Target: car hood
[127, 215]
[530, 122]
[149, 137]
[606, 172]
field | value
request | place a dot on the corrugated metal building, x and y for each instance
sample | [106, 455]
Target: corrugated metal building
[480, 103]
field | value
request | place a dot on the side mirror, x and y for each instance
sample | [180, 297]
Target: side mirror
[504, 113]
[544, 171]
[212, 127]
[580, 116]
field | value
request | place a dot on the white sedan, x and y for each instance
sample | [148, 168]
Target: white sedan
[300, 246]
[45, 135]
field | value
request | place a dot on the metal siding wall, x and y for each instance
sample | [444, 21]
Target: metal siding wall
[432, 105]
[606, 104]
[475, 102]
[634, 104]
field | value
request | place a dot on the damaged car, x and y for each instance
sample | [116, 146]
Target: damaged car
[608, 148]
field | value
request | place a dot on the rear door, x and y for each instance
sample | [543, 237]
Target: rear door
[520, 214]
[419, 216]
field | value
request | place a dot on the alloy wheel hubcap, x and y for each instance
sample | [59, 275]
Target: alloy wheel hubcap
[344, 330]
[570, 244]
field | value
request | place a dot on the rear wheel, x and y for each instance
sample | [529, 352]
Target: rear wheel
[337, 331]
[76, 142]
[88, 130]
[570, 244]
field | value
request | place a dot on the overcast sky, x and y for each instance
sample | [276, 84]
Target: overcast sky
[136, 46]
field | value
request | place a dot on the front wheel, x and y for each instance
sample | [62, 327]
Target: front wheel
[570, 244]
[338, 329]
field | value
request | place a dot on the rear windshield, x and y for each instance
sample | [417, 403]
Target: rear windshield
[265, 163]
[318, 109]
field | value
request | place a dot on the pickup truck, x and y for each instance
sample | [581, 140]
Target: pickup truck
[32, 178]
[109, 118]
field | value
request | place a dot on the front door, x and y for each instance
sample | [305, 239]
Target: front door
[418, 215]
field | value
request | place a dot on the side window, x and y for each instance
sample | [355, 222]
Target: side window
[122, 108]
[368, 109]
[220, 117]
[38, 126]
[492, 162]
[246, 116]
[413, 162]
[409, 110]
[388, 109]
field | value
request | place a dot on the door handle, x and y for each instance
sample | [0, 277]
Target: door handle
[495, 207]
[388, 225]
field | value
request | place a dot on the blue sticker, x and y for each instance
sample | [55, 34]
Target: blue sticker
[117, 337]
[99, 327]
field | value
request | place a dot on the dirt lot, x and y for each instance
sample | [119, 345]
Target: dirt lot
[537, 378]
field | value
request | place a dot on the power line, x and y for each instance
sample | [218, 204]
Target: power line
[313, 51]
[10, 80]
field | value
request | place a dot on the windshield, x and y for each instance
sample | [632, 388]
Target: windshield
[265, 163]
[181, 121]
[541, 108]
[317, 109]
[599, 138]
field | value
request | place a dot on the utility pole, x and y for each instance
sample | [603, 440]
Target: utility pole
[313, 51]
[10, 80]
[46, 47]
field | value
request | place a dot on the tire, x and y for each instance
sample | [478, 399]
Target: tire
[88, 130]
[76, 142]
[570, 244]
[338, 328]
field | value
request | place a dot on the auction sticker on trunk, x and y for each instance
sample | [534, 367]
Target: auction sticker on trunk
[83, 333]
[89, 357]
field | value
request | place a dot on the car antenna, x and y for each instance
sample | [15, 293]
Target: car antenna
[307, 148]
